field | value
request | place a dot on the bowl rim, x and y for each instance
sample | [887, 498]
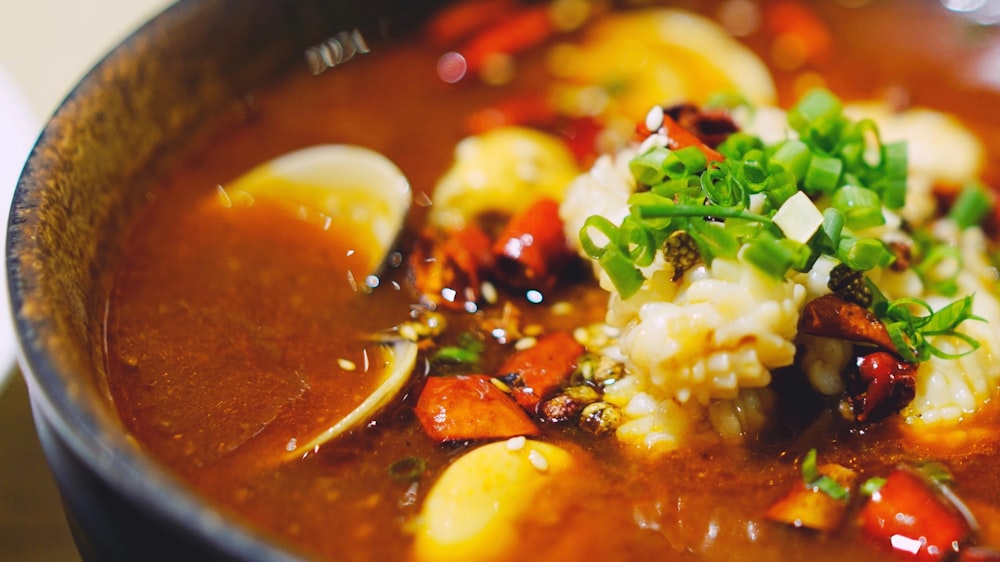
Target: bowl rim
[132, 473]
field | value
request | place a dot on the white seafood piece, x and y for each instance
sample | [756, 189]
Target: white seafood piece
[335, 185]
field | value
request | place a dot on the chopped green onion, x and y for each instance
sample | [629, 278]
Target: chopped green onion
[640, 203]
[946, 319]
[637, 241]
[862, 254]
[910, 332]
[688, 186]
[769, 256]
[813, 479]
[843, 160]
[713, 240]
[862, 207]
[823, 174]
[685, 162]
[831, 487]
[935, 472]
[895, 159]
[872, 485]
[467, 351]
[971, 206]
[626, 278]
[647, 168]
[939, 269]
[781, 185]
[754, 169]
[667, 209]
[833, 225]
[892, 186]
[794, 155]
[455, 354]
[605, 228]
[408, 469]
[809, 470]
[818, 115]
[723, 188]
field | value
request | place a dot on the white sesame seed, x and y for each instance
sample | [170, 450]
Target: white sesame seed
[655, 140]
[501, 385]
[562, 308]
[489, 292]
[654, 119]
[538, 461]
[346, 364]
[516, 443]
[525, 343]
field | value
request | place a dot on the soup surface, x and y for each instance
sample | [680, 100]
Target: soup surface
[235, 328]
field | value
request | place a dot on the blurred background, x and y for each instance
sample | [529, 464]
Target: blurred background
[46, 46]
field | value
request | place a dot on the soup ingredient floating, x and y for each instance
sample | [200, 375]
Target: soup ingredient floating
[474, 509]
[358, 188]
[397, 360]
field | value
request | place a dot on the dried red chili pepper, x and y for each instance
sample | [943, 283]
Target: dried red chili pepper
[886, 384]
[448, 271]
[538, 371]
[531, 251]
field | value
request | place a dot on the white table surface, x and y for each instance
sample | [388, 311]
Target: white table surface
[46, 46]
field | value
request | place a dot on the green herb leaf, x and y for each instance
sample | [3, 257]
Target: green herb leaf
[679, 190]
[872, 485]
[910, 331]
[972, 205]
[408, 469]
[813, 479]
[467, 351]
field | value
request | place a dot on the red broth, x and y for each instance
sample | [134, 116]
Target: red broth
[226, 326]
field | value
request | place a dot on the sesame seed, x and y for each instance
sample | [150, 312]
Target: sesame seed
[346, 364]
[501, 385]
[489, 292]
[516, 443]
[525, 343]
[562, 308]
[654, 119]
[653, 141]
[538, 461]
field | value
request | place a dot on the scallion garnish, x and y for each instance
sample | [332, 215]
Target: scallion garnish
[408, 469]
[845, 163]
[872, 485]
[939, 268]
[812, 478]
[910, 332]
[862, 207]
[467, 351]
[710, 201]
[972, 205]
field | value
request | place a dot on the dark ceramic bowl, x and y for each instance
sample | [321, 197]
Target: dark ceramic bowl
[69, 213]
[142, 101]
